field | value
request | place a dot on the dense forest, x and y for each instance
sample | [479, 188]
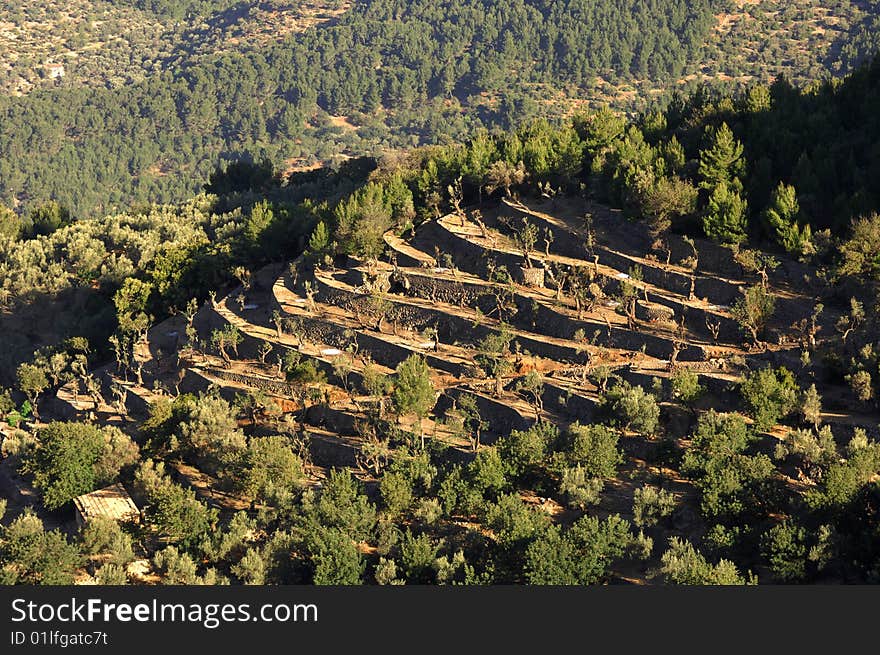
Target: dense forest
[155, 140]
[419, 62]
[382, 75]
[862, 42]
[110, 45]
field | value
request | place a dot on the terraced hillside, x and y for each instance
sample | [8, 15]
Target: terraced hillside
[536, 317]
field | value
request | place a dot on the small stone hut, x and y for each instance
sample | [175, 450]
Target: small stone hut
[111, 502]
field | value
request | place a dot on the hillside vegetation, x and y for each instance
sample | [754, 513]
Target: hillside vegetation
[113, 44]
[604, 350]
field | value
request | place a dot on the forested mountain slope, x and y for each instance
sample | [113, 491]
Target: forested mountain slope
[161, 137]
[386, 74]
[114, 43]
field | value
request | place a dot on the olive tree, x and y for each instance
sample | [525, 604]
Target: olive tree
[31, 555]
[754, 310]
[632, 407]
[32, 381]
[682, 564]
[771, 395]
[76, 458]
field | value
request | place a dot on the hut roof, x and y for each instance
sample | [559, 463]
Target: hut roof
[111, 502]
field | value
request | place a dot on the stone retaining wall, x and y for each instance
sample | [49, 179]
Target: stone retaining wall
[501, 417]
[628, 243]
[631, 237]
[329, 452]
[333, 419]
[453, 328]
[135, 405]
[531, 316]
[713, 258]
[319, 330]
[534, 316]
[474, 259]
[570, 403]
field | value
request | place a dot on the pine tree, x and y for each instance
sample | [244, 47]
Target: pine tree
[722, 162]
[782, 219]
[725, 219]
[258, 221]
[320, 239]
